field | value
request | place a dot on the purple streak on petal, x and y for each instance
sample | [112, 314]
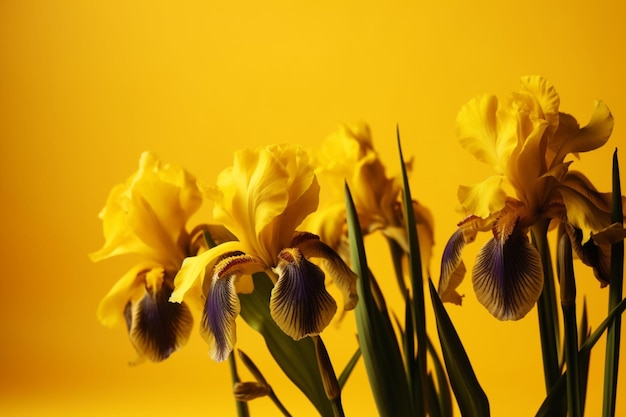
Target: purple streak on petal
[221, 308]
[451, 258]
[507, 276]
[300, 304]
[157, 327]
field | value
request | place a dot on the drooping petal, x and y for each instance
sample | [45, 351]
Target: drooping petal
[300, 304]
[609, 235]
[193, 270]
[597, 256]
[508, 276]
[157, 328]
[222, 304]
[484, 198]
[571, 140]
[341, 274]
[452, 269]
[587, 208]
[130, 287]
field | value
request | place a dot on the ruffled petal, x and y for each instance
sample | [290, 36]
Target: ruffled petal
[546, 97]
[477, 128]
[340, 272]
[147, 214]
[158, 328]
[300, 304]
[193, 270]
[484, 198]
[130, 287]
[508, 277]
[265, 195]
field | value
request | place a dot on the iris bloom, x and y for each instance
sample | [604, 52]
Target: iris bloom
[349, 155]
[146, 216]
[526, 140]
[262, 199]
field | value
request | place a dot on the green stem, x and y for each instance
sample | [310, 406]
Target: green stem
[611, 361]
[241, 406]
[278, 404]
[329, 378]
[547, 310]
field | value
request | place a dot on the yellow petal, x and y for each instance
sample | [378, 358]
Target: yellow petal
[484, 198]
[592, 136]
[477, 128]
[546, 97]
[193, 270]
[265, 196]
[147, 214]
[128, 287]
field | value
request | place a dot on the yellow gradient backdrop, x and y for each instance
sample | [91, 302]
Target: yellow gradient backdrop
[86, 86]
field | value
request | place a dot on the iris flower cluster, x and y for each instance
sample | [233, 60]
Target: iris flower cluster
[527, 141]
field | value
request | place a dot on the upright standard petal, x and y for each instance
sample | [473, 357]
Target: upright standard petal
[147, 214]
[477, 129]
[507, 276]
[300, 304]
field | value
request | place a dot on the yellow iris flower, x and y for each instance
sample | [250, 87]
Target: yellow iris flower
[262, 199]
[526, 140]
[349, 156]
[146, 216]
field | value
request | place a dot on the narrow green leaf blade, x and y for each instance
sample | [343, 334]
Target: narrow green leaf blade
[379, 346]
[555, 399]
[470, 396]
[420, 382]
[347, 371]
[615, 295]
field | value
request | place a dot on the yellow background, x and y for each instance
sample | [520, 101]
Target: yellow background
[85, 86]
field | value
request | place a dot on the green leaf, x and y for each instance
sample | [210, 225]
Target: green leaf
[568, 303]
[556, 397]
[444, 396]
[296, 358]
[379, 346]
[347, 371]
[417, 283]
[470, 396]
[613, 335]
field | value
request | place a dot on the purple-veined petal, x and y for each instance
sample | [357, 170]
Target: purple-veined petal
[341, 274]
[300, 304]
[507, 276]
[158, 328]
[222, 304]
[452, 269]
